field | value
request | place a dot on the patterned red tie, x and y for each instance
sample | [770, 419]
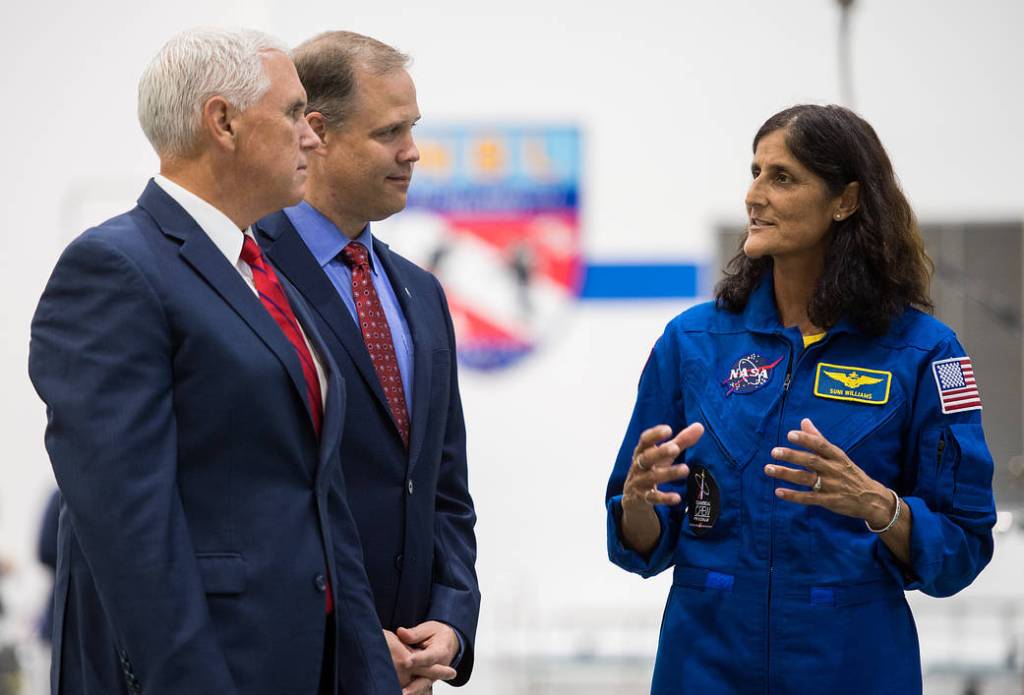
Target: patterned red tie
[377, 335]
[275, 301]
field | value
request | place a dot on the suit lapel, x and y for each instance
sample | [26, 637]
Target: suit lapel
[289, 253]
[206, 259]
[410, 300]
[334, 405]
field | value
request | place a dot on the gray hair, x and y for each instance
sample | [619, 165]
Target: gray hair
[192, 67]
[327, 65]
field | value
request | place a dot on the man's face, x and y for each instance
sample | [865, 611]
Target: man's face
[274, 139]
[369, 157]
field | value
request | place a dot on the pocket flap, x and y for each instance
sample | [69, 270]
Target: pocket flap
[222, 573]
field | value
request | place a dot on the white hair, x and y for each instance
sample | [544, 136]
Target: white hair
[192, 67]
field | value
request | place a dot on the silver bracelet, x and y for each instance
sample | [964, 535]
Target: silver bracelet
[895, 517]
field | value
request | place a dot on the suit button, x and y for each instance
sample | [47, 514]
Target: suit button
[410, 486]
[398, 562]
[320, 582]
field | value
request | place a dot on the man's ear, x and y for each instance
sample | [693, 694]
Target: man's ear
[218, 117]
[318, 123]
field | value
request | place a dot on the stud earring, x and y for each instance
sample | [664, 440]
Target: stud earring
[838, 217]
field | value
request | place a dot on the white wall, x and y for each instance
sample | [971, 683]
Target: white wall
[668, 93]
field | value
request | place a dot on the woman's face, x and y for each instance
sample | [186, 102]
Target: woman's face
[790, 209]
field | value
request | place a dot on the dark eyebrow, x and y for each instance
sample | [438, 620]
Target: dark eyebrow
[298, 104]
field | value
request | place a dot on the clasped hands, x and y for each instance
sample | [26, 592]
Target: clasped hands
[422, 655]
[844, 487]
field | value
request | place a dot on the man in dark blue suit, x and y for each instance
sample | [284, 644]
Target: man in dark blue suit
[194, 415]
[387, 325]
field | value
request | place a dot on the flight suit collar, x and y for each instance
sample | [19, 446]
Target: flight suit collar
[762, 316]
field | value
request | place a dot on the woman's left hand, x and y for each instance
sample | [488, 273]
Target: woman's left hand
[836, 483]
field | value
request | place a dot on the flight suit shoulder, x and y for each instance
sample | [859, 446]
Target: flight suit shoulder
[916, 330]
[705, 317]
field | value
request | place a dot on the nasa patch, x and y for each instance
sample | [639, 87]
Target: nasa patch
[749, 374]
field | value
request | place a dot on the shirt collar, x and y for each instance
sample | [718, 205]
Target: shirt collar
[224, 234]
[325, 241]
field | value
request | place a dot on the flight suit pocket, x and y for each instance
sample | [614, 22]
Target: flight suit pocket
[971, 475]
[222, 573]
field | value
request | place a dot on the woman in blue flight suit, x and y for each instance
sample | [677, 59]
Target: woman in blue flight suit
[828, 453]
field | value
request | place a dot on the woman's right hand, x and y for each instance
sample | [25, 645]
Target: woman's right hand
[652, 466]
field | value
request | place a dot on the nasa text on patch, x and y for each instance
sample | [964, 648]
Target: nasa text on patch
[958, 390]
[844, 383]
[749, 374]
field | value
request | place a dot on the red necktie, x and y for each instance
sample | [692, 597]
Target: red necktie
[377, 335]
[275, 302]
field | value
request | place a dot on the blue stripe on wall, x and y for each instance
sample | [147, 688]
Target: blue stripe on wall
[639, 281]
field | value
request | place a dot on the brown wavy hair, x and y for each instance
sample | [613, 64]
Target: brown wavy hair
[875, 263]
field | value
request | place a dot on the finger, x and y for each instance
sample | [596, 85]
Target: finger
[804, 459]
[652, 436]
[804, 498]
[642, 483]
[791, 475]
[655, 497]
[437, 672]
[418, 686]
[665, 474]
[664, 454]
[813, 442]
[689, 435]
[415, 634]
[428, 656]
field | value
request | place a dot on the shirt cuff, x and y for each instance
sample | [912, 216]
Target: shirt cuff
[462, 647]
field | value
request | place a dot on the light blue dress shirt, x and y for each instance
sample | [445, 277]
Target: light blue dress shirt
[326, 241]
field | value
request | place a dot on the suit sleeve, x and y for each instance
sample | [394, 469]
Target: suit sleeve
[455, 594]
[659, 401]
[950, 496]
[101, 359]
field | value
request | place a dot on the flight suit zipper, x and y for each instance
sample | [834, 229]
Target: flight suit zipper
[771, 532]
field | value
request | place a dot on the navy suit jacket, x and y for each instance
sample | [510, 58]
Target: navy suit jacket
[201, 517]
[413, 508]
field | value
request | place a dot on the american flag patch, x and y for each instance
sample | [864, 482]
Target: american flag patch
[957, 388]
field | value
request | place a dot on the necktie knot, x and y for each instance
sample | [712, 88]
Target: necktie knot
[356, 255]
[251, 251]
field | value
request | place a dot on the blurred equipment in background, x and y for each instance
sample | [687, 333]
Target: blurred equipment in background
[844, 54]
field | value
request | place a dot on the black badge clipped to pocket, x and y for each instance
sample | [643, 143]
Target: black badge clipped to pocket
[702, 500]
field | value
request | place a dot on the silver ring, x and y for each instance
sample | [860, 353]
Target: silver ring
[817, 485]
[636, 461]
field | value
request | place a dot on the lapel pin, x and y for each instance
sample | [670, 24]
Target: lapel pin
[407, 292]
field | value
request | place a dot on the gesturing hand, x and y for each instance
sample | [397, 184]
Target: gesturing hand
[836, 483]
[652, 466]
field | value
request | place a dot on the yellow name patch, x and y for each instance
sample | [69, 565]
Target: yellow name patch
[843, 383]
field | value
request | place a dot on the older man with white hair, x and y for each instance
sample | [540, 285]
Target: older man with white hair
[205, 544]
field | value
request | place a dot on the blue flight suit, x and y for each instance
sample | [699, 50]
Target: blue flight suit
[778, 597]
